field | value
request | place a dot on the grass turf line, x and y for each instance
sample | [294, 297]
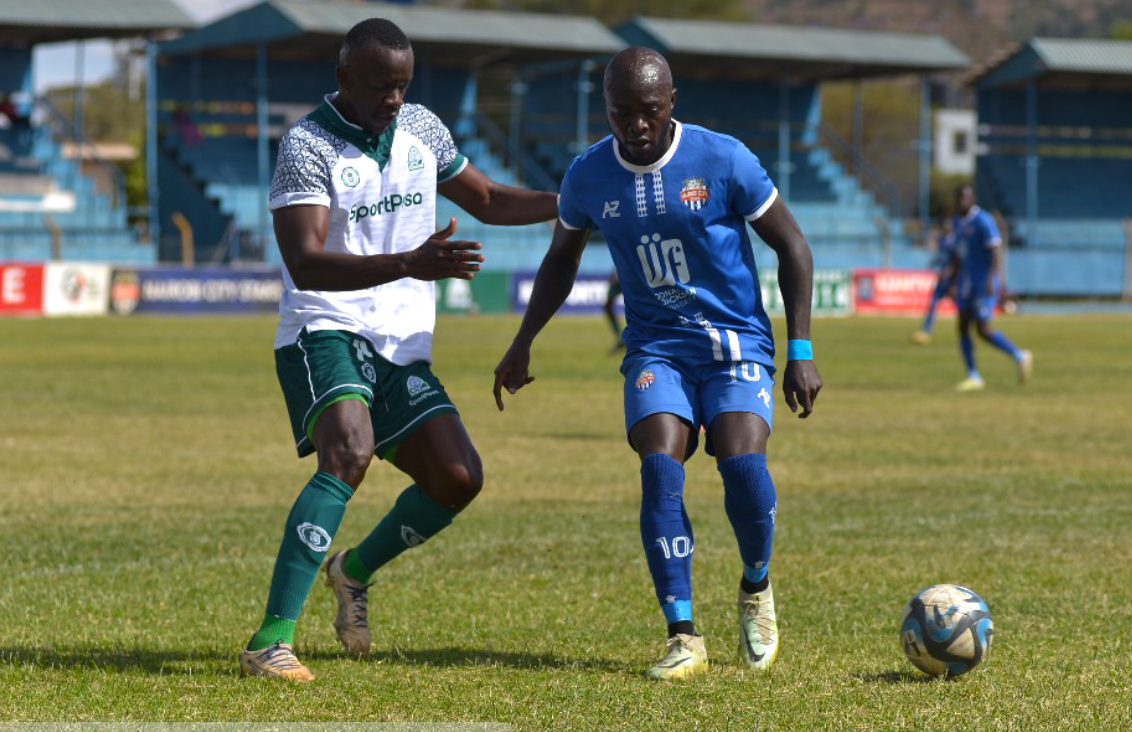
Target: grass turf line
[148, 471]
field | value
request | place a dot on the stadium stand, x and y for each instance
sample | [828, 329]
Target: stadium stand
[730, 77]
[209, 102]
[51, 205]
[1055, 158]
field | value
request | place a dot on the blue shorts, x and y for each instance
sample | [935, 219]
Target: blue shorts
[976, 301]
[696, 393]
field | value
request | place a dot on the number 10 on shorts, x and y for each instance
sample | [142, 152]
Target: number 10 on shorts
[681, 547]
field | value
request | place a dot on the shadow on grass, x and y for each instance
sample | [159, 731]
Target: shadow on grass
[896, 677]
[454, 657]
[180, 662]
[146, 660]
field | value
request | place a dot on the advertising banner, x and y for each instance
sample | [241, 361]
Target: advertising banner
[896, 292]
[71, 288]
[832, 292]
[488, 292]
[588, 295]
[195, 291]
[21, 289]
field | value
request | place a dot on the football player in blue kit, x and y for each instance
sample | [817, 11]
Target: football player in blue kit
[977, 248]
[674, 201]
[945, 266]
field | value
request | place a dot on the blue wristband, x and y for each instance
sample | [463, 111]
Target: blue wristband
[799, 351]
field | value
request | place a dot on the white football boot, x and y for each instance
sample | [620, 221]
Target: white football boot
[352, 621]
[684, 656]
[758, 629]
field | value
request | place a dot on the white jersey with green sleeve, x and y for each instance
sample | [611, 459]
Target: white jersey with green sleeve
[381, 193]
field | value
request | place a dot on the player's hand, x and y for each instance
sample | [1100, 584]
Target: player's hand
[511, 373]
[440, 258]
[801, 385]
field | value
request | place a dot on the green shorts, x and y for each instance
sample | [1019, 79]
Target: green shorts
[328, 366]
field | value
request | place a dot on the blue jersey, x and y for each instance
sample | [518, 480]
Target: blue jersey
[944, 252]
[976, 236]
[677, 234]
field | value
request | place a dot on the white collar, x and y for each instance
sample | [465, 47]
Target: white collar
[652, 168]
[970, 215]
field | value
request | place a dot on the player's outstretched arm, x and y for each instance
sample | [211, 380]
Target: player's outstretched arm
[553, 283]
[494, 203]
[777, 227]
[301, 233]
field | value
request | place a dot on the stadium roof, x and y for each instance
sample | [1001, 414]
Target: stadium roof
[45, 21]
[468, 37]
[1059, 60]
[801, 53]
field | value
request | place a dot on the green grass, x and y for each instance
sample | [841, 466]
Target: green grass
[147, 472]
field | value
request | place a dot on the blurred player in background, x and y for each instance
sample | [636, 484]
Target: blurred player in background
[611, 296]
[674, 202]
[354, 202]
[978, 249]
[945, 264]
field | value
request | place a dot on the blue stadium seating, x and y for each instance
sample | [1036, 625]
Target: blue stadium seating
[95, 229]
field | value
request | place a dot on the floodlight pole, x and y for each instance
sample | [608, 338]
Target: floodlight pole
[152, 189]
[1032, 162]
[582, 124]
[925, 155]
[261, 138]
[784, 164]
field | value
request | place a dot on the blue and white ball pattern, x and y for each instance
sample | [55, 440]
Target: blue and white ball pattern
[946, 630]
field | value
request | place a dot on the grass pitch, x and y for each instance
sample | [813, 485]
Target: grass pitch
[147, 472]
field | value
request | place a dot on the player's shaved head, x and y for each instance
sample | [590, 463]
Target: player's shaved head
[371, 34]
[638, 104]
[638, 69]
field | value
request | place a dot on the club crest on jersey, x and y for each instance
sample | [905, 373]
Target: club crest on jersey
[694, 194]
[416, 385]
[351, 177]
[645, 380]
[416, 162]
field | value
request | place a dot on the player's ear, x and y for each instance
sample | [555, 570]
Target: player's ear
[342, 74]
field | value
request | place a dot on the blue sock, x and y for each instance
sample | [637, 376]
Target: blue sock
[929, 321]
[666, 535]
[1001, 342]
[968, 347]
[751, 504]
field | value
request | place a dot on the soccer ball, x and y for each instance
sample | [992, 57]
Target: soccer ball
[946, 629]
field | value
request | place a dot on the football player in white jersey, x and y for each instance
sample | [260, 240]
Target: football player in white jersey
[353, 199]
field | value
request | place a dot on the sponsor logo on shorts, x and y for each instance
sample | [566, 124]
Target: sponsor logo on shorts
[369, 373]
[416, 385]
[645, 380]
[315, 537]
[411, 536]
[416, 162]
[350, 177]
[765, 396]
[694, 194]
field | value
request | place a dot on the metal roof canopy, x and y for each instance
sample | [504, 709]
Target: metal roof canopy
[753, 51]
[299, 30]
[1060, 62]
[27, 22]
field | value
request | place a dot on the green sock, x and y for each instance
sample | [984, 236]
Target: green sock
[310, 527]
[272, 630]
[414, 519]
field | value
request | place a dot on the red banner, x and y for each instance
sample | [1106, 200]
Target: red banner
[21, 289]
[896, 291]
